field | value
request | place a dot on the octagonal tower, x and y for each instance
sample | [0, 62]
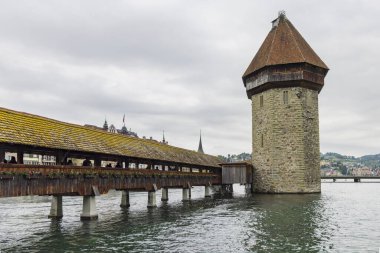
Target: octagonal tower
[283, 81]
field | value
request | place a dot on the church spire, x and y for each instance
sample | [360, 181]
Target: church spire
[105, 125]
[163, 137]
[200, 148]
[124, 129]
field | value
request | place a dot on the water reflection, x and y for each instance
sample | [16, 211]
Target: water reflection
[285, 223]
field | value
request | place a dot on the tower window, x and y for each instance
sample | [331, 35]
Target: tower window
[262, 140]
[261, 101]
[285, 97]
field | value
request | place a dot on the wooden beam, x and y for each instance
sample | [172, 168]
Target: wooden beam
[20, 156]
[60, 158]
[2, 155]
[97, 161]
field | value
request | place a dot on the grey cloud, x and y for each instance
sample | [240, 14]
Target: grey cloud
[175, 66]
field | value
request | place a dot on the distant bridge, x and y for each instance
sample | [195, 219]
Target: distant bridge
[356, 179]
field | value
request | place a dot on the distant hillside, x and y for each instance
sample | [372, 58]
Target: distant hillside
[236, 158]
[370, 157]
[349, 165]
[329, 160]
[372, 161]
[335, 156]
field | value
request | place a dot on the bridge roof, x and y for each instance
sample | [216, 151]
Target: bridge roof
[36, 131]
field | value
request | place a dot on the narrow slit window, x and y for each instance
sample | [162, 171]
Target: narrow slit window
[285, 97]
[262, 140]
[261, 101]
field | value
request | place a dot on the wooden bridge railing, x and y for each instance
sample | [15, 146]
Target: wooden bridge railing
[22, 180]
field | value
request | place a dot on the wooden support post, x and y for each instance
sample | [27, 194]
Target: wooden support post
[120, 161]
[2, 155]
[60, 158]
[97, 162]
[20, 157]
[126, 161]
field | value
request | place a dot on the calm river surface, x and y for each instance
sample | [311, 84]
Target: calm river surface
[344, 218]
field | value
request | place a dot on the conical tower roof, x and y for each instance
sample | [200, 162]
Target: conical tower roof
[283, 45]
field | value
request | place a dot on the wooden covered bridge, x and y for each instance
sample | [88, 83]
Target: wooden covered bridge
[155, 165]
[144, 165]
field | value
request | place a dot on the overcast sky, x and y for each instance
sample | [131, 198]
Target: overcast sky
[177, 66]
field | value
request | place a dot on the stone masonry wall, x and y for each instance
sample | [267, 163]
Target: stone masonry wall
[286, 141]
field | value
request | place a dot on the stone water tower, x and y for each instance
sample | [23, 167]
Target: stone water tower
[283, 82]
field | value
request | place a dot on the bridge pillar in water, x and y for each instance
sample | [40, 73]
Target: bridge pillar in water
[89, 208]
[207, 191]
[186, 194]
[56, 211]
[227, 188]
[223, 189]
[217, 188]
[125, 199]
[165, 194]
[248, 188]
[152, 199]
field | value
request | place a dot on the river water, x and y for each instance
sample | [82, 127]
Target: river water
[345, 217]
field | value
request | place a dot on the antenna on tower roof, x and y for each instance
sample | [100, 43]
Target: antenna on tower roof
[281, 16]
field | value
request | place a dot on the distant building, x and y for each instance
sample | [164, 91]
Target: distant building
[105, 125]
[112, 129]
